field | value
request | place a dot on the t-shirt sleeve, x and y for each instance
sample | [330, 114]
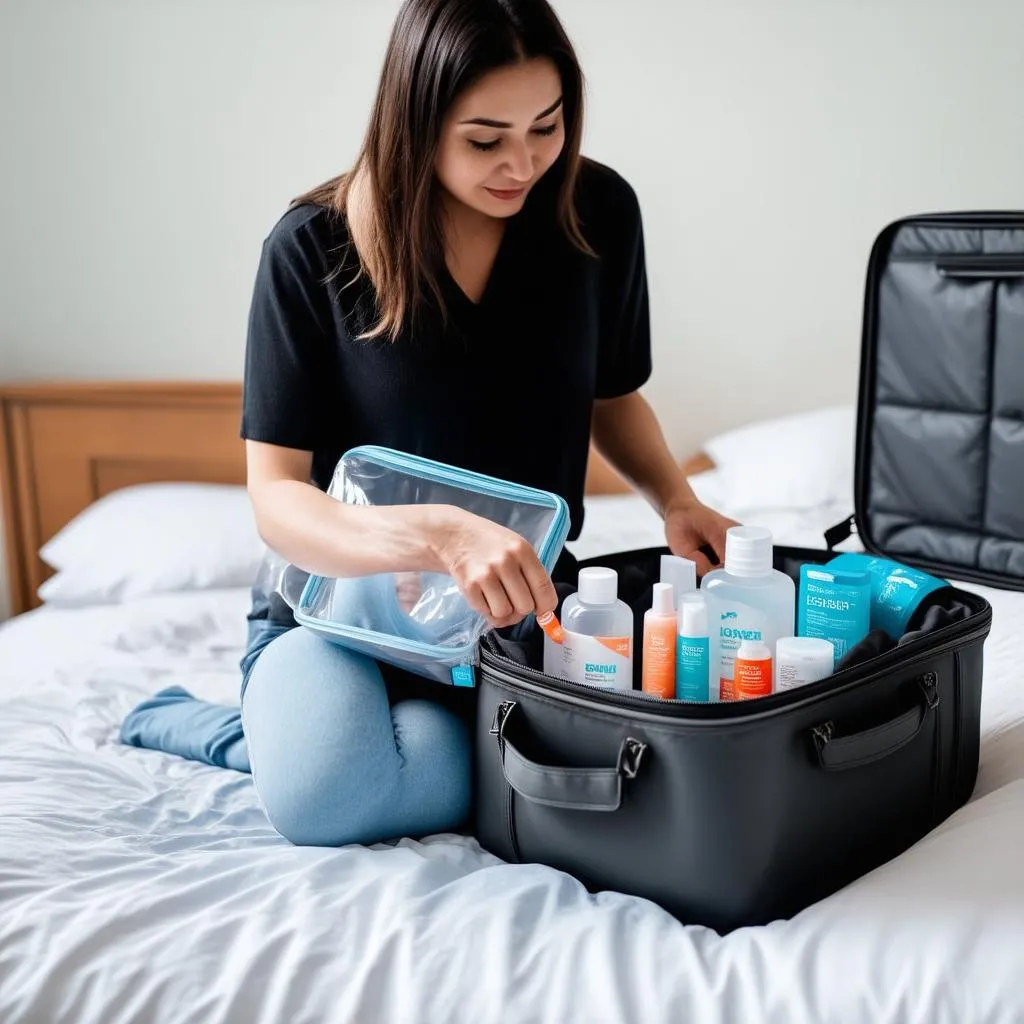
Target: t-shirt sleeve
[624, 359]
[286, 342]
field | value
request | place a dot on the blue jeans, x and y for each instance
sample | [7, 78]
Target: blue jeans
[335, 762]
[337, 754]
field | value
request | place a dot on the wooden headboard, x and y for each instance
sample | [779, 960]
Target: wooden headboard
[65, 445]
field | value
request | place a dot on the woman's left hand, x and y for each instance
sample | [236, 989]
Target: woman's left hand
[689, 526]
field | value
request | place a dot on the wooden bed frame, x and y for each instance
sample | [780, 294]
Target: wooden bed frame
[65, 445]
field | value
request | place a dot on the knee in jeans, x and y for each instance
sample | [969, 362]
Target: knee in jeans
[310, 809]
[329, 768]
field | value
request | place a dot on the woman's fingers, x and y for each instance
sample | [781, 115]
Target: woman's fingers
[542, 590]
[498, 571]
[499, 607]
[702, 562]
[518, 592]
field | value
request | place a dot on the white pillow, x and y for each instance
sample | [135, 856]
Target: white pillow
[154, 538]
[799, 461]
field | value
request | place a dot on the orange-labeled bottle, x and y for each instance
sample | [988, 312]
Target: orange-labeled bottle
[753, 675]
[658, 671]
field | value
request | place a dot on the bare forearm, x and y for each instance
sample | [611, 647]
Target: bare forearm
[627, 433]
[324, 536]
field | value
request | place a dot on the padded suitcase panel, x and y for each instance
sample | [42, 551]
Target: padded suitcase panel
[941, 448]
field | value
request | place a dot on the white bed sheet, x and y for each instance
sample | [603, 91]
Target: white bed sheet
[140, 887]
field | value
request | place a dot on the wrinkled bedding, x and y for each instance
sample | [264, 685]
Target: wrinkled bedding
[135, 886]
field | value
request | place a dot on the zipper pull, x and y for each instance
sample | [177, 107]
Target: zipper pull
[841, 531]
[823, 734]
[929, 684]
[631, 755]
[500, 714]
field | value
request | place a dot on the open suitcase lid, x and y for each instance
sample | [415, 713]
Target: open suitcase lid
[939, 479]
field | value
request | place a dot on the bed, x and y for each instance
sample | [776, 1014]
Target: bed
[139, 887]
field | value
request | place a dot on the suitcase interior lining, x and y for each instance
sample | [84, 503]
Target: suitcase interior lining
[944, 458]
[639, 571]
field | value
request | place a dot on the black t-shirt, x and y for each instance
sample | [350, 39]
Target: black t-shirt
[504, 387]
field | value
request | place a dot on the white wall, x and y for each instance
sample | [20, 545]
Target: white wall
[148, 147]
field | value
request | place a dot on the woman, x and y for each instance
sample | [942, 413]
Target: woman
[472, 291]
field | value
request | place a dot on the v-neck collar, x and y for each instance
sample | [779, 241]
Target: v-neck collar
[498, 268]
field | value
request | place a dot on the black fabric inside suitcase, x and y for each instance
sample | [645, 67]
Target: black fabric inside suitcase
[735, 814]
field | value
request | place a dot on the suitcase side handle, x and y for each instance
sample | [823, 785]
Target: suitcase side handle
[573, 789]
[838, 752]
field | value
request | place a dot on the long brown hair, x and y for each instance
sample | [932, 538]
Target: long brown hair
[437, 49]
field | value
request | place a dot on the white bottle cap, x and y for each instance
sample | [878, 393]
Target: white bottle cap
[680, 572]
[693, 616]
[815, 658]
[753, 650]
[598, 585]
[748, 551]
[663, 602]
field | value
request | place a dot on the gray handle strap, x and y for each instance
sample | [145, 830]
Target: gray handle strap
[575, 789]
[838, 752]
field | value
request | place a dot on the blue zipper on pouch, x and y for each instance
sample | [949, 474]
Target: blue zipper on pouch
[461, 659]
[482, 483]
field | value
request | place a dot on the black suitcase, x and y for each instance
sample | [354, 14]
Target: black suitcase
[732, 814]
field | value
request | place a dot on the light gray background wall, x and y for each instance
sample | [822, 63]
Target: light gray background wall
[147, 148]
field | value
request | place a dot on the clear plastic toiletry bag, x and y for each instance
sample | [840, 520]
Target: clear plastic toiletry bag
[420, 621]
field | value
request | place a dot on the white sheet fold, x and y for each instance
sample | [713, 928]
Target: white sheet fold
[139, 887]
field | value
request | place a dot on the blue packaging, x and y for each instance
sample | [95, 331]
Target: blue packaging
[693, 668]
[693, 649]
[834, 605]
[897, 591]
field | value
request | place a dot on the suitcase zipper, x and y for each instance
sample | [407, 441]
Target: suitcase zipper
[958, 730]
[985, 267]
[657, 709]
[980, 266]
[500, 714]
[930, 686]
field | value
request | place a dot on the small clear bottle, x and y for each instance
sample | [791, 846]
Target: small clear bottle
[597, 646]
[747, 599]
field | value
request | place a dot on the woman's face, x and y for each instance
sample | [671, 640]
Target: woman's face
[501, 135]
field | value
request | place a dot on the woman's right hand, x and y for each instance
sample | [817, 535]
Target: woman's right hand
[496, 569]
